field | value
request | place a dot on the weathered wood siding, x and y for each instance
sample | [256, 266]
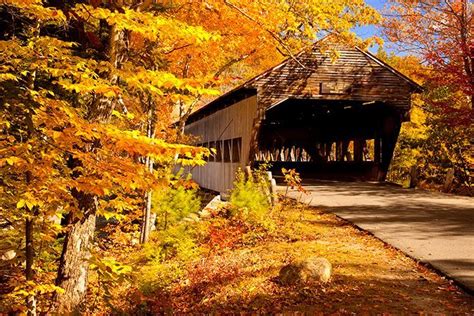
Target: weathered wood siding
[229, 123]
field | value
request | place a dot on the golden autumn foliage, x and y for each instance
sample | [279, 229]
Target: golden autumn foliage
[436, 139]
[88, 92]
[257, 35]
[61, 143]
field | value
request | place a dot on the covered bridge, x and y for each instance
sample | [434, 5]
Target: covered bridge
[327, 119]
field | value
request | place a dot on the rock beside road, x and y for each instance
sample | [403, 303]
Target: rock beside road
[311, 270]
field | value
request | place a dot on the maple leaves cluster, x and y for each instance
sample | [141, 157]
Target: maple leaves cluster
[438, 36]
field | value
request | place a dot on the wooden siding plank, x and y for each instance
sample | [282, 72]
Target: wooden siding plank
[231, 122]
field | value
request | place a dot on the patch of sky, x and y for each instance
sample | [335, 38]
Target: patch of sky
[372, 30]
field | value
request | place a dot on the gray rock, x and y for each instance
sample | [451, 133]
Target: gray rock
[213, 206]
[311, 270]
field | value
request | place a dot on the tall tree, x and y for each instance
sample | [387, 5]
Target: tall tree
[69, 86]
[441, 32]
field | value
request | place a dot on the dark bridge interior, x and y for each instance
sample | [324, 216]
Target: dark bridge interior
[338, 140]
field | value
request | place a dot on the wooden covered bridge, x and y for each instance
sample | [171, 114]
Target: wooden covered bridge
[327, 119]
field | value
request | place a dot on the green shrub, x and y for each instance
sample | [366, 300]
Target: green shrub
[173, 245]
[174, 204]
[249, 199]
[167, 253]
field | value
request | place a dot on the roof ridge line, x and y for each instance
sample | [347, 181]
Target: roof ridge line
[289, 58]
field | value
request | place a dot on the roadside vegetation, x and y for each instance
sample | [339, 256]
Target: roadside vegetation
[228, 258]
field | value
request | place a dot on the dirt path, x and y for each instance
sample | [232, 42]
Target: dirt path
[432, 227]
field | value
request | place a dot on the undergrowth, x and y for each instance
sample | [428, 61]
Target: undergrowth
[227, 259]
[234, 276]
[183, 236]
[250, 200]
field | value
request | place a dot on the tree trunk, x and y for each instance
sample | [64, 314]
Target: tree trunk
[74, 261]
[29, 254]
[73, 267]
[146, 224]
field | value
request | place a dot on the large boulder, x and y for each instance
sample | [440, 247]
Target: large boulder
[311, 270]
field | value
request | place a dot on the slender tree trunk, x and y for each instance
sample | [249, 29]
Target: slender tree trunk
[146, 224]
[29, 254]
[29, 250]
[466, 46]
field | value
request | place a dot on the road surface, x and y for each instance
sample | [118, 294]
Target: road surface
[432, 227]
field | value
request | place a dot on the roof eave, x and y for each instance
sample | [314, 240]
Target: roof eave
[415, 86]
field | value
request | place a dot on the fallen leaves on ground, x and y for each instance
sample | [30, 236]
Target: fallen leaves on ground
[368, 275]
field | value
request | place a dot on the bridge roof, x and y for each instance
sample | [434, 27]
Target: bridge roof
[356, 75]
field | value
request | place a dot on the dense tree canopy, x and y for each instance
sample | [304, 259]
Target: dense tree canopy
[438, 38]
[90, 93]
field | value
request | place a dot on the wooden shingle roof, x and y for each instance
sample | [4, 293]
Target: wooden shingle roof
[311, 74]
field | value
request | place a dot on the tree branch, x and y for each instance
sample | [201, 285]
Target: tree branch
[234, 61]
[272, 34]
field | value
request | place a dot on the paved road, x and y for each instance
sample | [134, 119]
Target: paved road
[432, 227]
